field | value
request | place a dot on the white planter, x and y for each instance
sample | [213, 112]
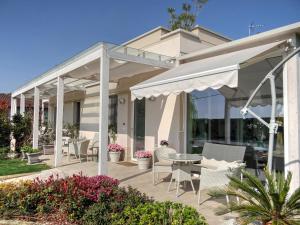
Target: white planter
[144, 163]
[33, 157]
[48, 149]
[114, 156]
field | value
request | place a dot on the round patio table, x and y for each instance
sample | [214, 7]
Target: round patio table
[182, 167]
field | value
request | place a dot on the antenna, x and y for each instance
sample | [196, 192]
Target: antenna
[252, 27]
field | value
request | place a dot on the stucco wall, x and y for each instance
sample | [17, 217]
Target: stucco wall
[162, 121]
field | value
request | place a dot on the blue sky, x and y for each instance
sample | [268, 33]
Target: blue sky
[38, 34]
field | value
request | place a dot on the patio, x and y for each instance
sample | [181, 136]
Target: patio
[129, 175]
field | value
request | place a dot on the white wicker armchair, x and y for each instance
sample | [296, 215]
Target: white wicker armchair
[79, 149]
[160, 162]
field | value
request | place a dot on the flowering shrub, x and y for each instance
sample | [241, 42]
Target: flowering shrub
[143, 154]
[164, 143]
[106, 211]
[89, 200]
[115, 148]
[67, 198]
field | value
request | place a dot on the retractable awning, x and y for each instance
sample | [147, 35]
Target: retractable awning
[214, 72]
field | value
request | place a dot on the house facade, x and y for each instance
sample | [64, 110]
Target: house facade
[184, 87]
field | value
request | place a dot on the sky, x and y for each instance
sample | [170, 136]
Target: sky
[36, 35]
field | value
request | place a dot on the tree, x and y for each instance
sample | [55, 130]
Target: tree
[187, 18]
[22, 129]
[269, 203]
[5, 127]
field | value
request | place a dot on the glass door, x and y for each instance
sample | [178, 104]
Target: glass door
[139, 125]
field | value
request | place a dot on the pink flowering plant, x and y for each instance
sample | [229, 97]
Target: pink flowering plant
[143, 154]
[115, 148]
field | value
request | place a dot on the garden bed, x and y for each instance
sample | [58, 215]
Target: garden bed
[89, 200]
[17, 166]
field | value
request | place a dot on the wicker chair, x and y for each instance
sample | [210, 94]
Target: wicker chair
[79, 149]
[161, 164]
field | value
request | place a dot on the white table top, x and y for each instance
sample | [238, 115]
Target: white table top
[184, 157]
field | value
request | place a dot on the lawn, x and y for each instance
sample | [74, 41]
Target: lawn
[17, 166]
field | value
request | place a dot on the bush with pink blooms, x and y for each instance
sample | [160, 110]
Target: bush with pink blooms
[143, 154]
[115, 148]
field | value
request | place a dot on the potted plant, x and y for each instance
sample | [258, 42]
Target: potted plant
[115, 151]
[164, 143]
[144, 159]
[265, 203]
[112, 133]
[32, 154]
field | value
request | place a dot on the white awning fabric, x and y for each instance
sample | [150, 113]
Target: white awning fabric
[214, 72]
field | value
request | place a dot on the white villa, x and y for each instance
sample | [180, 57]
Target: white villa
[184, 87]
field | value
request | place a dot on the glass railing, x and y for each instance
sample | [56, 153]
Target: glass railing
[139, 53]
[112, 47]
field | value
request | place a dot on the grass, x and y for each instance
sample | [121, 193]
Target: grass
[17, 166]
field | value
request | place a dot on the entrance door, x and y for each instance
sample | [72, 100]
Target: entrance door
[139, 126]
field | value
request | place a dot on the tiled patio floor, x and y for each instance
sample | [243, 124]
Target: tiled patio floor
[142, 180]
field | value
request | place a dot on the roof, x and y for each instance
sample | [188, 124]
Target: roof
[252, 41]
[213, 32]
[170, 32]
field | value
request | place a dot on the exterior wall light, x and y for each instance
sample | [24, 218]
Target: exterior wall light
[122, 100]
[152, 99]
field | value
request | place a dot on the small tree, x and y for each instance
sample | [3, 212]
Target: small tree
[5, 127]
[187, 18]
[22, 129]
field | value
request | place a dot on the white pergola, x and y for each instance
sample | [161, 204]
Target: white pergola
[102, 64]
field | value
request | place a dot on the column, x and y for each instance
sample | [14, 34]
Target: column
[36, 117]
[227, 121]
[103, 111]
[291, 93]
[43, 113]
[22, 104]
[13, 107]
[59, 120]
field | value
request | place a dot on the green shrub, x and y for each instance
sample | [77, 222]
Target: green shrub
[102, 212]
[5, 130]
[164, 213]
[3, 152]
[22, 129]
[29, 149]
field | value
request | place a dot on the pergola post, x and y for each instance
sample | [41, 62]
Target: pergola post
[43, 113]
[13, 107]
[227, 121]
[103, 111]
[22, 104]
[59, 120]
[291, 93]
[36, 114]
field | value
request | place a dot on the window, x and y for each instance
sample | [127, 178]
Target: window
[113, 112]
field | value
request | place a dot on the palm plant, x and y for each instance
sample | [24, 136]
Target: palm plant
[269, 203]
